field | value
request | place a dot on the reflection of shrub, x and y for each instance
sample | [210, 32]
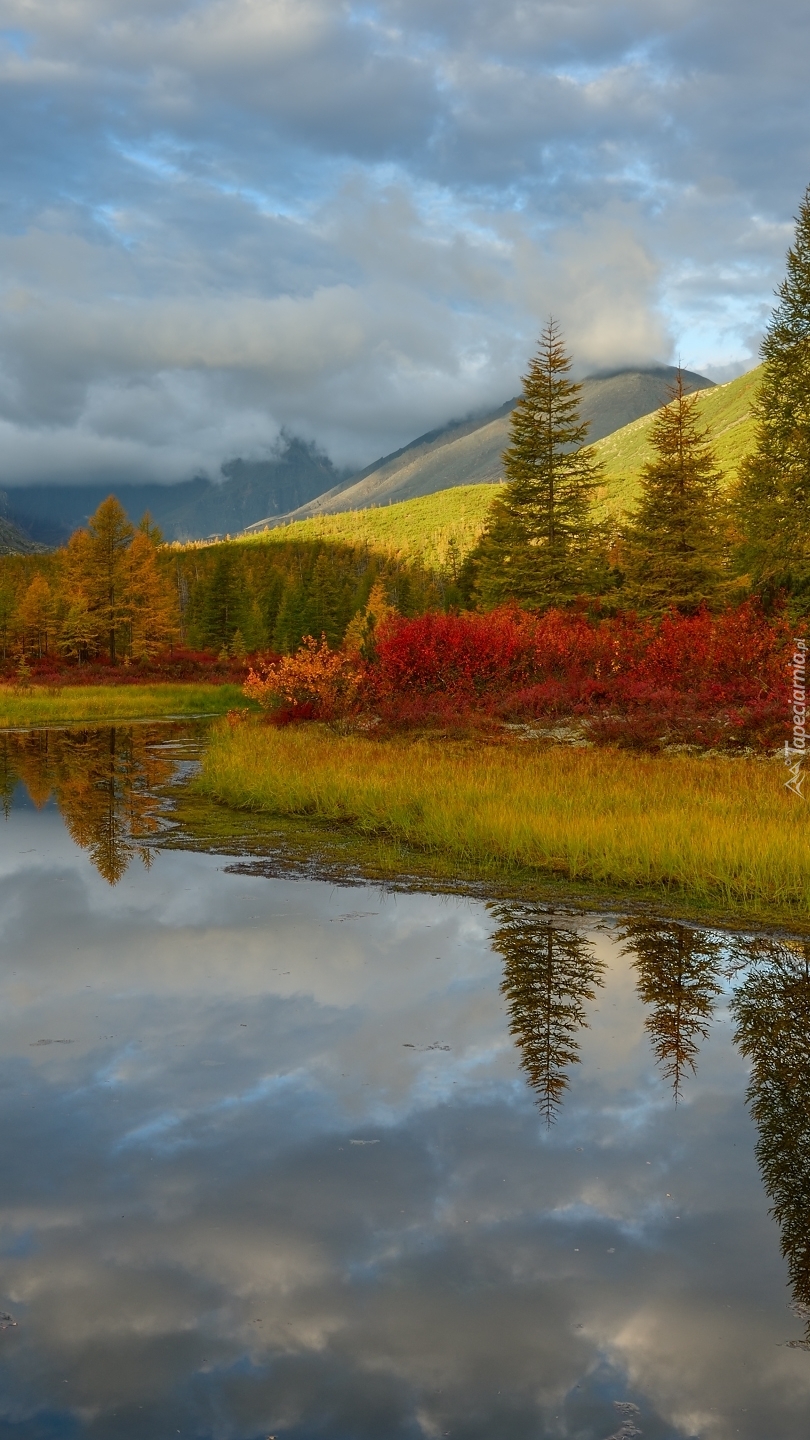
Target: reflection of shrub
[323, 681]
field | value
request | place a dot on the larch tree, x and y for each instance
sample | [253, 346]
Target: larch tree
[105, 570]
[538, 545]
[35, 617]
[674, 552]
[150, 600]
[773, 498]
[116, 596]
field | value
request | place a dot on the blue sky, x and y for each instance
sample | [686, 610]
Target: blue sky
[224, 217]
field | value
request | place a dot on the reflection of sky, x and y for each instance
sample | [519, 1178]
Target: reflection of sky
[193, 1241]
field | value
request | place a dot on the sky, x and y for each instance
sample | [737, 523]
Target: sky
[222, 220]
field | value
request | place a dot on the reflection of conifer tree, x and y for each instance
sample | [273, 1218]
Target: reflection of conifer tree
[678, 977]
[549, 974]
[104, 782]
[772, 1011]
[8, 776]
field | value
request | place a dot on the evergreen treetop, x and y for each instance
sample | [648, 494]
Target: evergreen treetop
[774, 490]
[537, 543]
[675, 542]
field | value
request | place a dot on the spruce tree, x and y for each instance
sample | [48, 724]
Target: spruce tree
[674, 551]
[538, 544]
[772, 1014]
[774, 492]
[223, 606]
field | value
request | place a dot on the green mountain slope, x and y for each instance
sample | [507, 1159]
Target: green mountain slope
[432, 528]
[469, 452]
[441, 528]
[725, 410]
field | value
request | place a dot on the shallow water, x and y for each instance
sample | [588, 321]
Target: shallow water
[285, 1159]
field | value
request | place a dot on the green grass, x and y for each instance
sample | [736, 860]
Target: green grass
[725, 410]
[421, 529]
[712, 831]
[107, 703]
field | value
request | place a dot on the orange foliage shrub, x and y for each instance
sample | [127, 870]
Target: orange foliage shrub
[314, 681]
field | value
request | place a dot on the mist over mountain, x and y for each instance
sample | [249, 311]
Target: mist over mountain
[299, 480]
[193, 509]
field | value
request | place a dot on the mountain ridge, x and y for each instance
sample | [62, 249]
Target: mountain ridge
[468, 452]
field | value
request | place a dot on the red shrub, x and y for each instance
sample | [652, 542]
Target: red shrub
[701, 679]
[459, 656]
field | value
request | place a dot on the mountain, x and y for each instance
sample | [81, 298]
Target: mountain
[438, 529]
[469, 452]
[441, 528]
[190, 510]
[14, 541]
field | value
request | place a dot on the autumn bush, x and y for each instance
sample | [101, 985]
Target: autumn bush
[173, 666]
[710, 680]
[314, 682]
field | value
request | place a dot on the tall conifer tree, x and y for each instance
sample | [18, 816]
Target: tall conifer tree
[674, 553]
[539, 540]
[774, 491]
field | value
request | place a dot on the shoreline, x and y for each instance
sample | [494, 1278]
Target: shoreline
[705, 835]
[41, 707]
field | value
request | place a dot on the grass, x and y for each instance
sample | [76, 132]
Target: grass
[107, 703]
[712, 831]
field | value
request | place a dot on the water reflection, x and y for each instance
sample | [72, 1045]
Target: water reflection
[270, 1166]
[549, 975]
[103, 781]
[679, 979]
[772, 1013]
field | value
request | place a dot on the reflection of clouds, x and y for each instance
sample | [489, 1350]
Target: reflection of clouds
[187, 1228]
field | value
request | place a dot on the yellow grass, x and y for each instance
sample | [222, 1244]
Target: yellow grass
[102, 703]
[719, 831]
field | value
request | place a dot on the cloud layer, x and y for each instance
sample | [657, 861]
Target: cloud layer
[221, 219]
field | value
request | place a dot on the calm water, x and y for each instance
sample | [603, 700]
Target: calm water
[284, 1159]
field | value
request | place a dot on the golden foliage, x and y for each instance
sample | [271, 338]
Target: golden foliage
[327, 680]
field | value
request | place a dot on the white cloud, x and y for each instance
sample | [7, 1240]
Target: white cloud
[224, 218]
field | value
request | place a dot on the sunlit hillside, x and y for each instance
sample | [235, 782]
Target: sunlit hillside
[433, 528]
[443, 527]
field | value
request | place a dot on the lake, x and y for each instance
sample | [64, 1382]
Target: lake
[287, 1158]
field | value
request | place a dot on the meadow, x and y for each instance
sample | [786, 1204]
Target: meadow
[707, 830]
[107, 704]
